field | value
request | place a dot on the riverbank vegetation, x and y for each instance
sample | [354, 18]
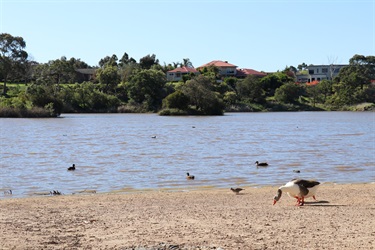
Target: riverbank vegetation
[32, 89]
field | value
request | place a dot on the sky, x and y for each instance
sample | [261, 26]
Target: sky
[265, 35]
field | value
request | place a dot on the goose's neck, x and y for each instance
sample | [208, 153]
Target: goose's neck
[279, 193]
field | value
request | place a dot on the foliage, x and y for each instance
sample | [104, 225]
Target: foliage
[288, 93]
[12, 56]
[147, 61]
[176, 100]
[199, 91]
[109, 77]
[250, 89]
[147, 87]
[273, 81]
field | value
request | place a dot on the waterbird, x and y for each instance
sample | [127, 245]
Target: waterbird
[236, 190]
[261, 164]
[8, 192]
[189, 177]
[299, 189]
[72, 168]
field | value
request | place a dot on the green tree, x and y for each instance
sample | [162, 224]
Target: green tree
[288, 93]
[146, 62]
[126, 60]
[201, 96]
[273, 81]
[177, 100]
[353, 81]
[12, 56]
[109, 77]
[250, 89]
[108, 61]
[147, 87]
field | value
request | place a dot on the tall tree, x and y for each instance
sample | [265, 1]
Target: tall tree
[12, 56]
[147, 87]
[147, 61]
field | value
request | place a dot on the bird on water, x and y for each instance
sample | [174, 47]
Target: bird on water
[189, 177]
[72, 168]
[261, 164]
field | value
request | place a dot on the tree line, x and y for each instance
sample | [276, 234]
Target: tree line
[32, 89]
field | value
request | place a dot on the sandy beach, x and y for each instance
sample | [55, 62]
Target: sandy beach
[342, 218]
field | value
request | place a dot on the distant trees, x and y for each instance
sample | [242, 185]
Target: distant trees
[353, 83]
[12, 56]
[125, 85]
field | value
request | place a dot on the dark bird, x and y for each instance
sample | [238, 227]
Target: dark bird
[55, 192]
[236, 190]
[8, 192]
[189, 177]
[72, 168]
[296, 171]
[261, 164]
[299, 189]
[153, 137]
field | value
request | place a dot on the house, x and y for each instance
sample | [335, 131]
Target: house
[320, 72]
[243, 73]
[225, 69]
[86, 74]
[177, 74]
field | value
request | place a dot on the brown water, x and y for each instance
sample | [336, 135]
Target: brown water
[117, 152]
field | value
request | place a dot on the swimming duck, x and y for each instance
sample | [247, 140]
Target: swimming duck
[72, 168]
[261, 164]
[299, 189]
[236, 190]
[189, 177]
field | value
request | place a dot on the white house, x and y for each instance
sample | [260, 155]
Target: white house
[320, 72]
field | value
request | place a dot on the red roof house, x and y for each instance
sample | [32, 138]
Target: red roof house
[176, 74]
[225, 68]
[242, 73]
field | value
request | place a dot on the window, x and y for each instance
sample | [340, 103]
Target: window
[324, 70]
[311, 71]
[178, 74]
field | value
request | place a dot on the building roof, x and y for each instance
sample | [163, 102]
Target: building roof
[246, 72]
[219, 64]
[183, 70]
[90, 71]
[312, 83]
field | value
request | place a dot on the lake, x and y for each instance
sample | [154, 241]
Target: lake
[137, 152]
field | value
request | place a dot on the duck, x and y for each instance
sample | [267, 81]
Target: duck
[8, 192]
[236, 190]
[189, 177]
[299, 189]
[72, 168]
[261, 164]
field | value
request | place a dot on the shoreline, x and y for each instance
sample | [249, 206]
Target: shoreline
[4, 192]
[342, 218]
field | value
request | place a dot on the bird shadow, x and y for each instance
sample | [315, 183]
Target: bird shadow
[322, 204]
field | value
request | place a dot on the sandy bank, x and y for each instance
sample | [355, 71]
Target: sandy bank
[343, 218]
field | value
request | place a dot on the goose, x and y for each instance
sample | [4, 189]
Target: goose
[72, 168]
[261, 164]
[299, 189]
[236, 190]
[189, 177]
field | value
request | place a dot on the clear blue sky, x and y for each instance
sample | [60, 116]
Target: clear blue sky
[264, 35]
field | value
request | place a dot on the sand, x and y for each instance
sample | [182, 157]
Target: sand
[342, 218]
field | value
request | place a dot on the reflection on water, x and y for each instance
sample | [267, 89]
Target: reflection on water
[125, 152]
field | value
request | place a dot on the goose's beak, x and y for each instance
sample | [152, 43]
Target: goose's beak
[274, 202]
